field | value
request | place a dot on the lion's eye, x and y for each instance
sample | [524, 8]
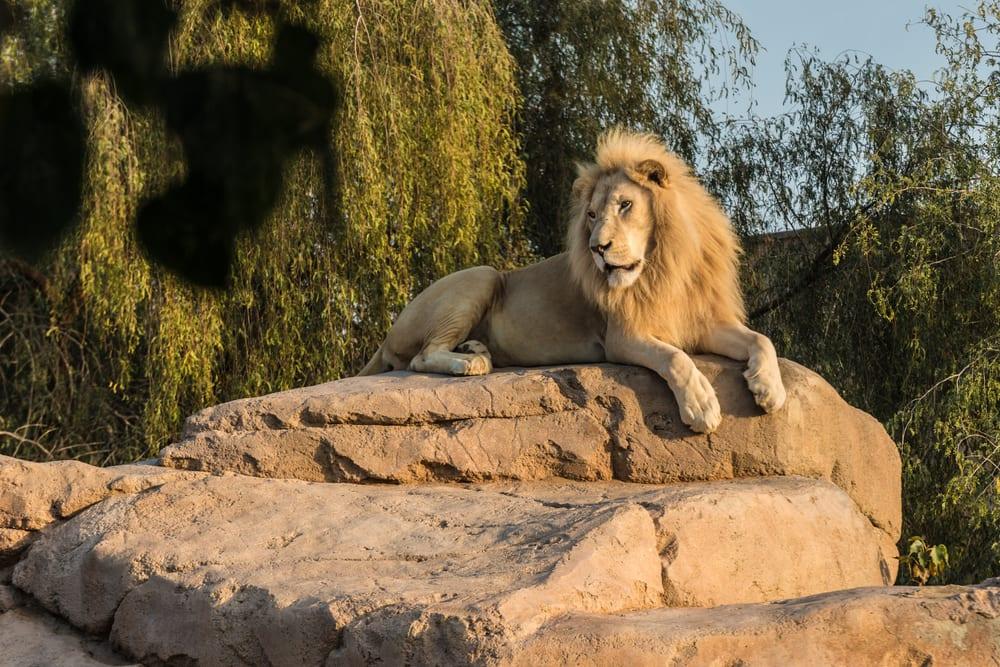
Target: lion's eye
[625, 205]
[591, 214]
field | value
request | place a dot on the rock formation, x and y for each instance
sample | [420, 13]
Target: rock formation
[544, 516]
[597, 422]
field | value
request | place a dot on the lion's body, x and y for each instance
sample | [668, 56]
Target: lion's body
[532, 316]
[651, 277]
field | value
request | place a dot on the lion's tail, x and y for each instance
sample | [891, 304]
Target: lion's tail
[376, 364]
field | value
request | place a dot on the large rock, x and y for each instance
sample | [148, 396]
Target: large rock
[596, 422]
[747, 540]
[30, 638]
[33, 495]
[583, 524]
[937, 625]
[12, 543]
[230, 570]
[10, 598]
[234, 570]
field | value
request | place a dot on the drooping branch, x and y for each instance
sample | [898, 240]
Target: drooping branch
[24, 270]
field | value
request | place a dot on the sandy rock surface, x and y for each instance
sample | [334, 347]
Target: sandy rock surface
[232, 569]
[10, 598]
[595, 422]
[748, 540]
[33, 638]
[33, 495]
[937, 625]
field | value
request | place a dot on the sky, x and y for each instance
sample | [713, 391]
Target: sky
[875, 27]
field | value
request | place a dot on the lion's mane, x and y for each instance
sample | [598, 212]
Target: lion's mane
[691, 278]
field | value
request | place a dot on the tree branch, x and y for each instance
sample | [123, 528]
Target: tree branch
[27, 272]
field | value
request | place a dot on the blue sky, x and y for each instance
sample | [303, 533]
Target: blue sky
[876, 27]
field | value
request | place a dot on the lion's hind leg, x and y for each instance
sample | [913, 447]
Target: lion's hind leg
[469, 358]
[429, 335]
[473, 347]
[444, 350]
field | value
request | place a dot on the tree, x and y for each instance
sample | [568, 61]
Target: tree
[886, 279]
[585, 65]
[102, 355]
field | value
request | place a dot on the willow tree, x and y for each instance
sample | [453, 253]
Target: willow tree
[102, 355]
[585, 65]
[888, 278]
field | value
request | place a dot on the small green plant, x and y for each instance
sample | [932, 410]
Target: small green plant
[924, 561]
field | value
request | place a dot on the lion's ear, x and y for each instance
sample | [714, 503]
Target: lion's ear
[653, 172]
[584, 183]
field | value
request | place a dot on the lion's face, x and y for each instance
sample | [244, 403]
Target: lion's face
[619, 219]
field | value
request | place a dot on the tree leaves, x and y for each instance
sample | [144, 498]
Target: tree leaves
[924, 562]
[882, 276]
[104, 353]
[585, 65]
[42, 143]
[237, 125]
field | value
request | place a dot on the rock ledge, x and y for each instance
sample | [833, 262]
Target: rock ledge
[595, 422]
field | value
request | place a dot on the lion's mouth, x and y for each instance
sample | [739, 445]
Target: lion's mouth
[611, 268]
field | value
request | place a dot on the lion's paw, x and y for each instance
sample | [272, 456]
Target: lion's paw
[473, 347]
[766, 386]
[699, 405]
[478, 364]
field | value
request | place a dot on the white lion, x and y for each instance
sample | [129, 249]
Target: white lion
[649, 275]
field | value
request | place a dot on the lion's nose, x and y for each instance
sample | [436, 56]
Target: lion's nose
[601, 249]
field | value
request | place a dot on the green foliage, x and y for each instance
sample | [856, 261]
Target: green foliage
[924, 562]
[585, 65]
[101, 356]
[887, 279]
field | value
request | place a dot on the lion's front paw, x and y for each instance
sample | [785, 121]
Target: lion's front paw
[766, 386]
[699, 406]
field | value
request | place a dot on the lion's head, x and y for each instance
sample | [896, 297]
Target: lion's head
[648, 244]
[620, 220]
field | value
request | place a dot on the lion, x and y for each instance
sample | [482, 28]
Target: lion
[649, 276]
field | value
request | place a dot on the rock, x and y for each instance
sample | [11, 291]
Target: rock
[33, 495]
[10, 598]
[936, 625]
[750, 540]
[595, 422]
[12, 543]
[583, 523]
[230, 570]
[30, 638]
[233, 570]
